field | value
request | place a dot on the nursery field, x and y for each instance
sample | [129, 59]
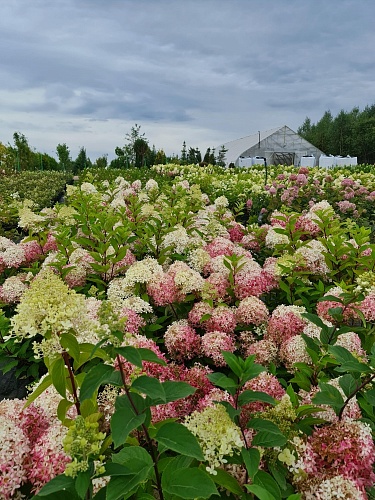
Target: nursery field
[189, 332]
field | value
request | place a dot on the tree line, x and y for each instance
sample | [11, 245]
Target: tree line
[348, 133]
[136, 152]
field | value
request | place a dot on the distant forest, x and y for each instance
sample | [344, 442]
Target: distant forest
[349, 133]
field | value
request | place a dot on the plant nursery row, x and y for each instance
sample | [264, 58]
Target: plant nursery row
[187, 332]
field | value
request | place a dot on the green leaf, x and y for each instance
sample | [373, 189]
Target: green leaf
[71, 345]
[135, 466]
[131, 354]
[151, 387]
[234, 363]
[189, 484]
[348, 384]
[260, 492]
[62, 408]
[100, 374]
[341, 354]
[279, 472]
[225, 480]
[249, 396]
[268, 435]
[43, 385]
[123, 421]
[177, 390]
[58, 376]
[148, 355]
[57, 484]
[177, 437]
[82, 483]
[253, 371]
[251, 458]
[329, 395]
[222, 381]
[354, 366]
[265, 480]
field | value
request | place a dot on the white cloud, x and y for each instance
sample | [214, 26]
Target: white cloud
[208, 71]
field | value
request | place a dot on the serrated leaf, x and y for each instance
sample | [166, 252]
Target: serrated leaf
[177, 437]
[43, 385]
[222, 381]
[124, 421]
[265, 480]
[233, 362]
[189, 484]
[148, 355]
[58, 376]
[57, 484]
[131, 354]
[177, 390]
[151, 387]
[71, 345]
[260, 492]
[227, 481]
[249, 396]
[329, 395]
[99, 375]
[82, 483]
[268, 435]
[62, 408]
[348, 384]
[251, 458]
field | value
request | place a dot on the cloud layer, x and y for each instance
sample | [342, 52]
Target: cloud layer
[208, 71]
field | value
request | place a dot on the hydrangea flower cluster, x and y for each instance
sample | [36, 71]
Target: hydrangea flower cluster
[217, 434]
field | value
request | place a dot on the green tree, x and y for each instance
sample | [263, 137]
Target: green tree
[221, 157]
[160, 158]
[207, 156]
[63, 155]
[101, 162]
[23, 153]
[81, 162]
[184, 156]
[141, 149]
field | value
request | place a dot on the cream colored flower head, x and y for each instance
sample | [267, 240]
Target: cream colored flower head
[48, 306]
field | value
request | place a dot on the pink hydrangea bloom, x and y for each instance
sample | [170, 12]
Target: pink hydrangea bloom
[163, 290]
[264, 382]
[196, 314]
[133, 320]
[32, 251]
[236, 231]
[346, 449]
[182, 341]
[367, 307]
[215, 342]
[285, 322]
[51, 243]
[265, 351]
[222, 318]
[219, 246]
[220, 284]
[251, 311]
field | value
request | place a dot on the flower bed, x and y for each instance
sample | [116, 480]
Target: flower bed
[187, 354]
[43, 188]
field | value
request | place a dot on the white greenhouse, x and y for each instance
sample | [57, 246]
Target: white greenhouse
[278, 146]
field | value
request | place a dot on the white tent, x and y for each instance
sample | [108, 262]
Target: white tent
[279, 145]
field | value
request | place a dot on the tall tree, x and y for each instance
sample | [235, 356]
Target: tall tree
[81, 162]
[183, 159]
[23, 153]
[63, 155]
[221, 157]
[141, 149]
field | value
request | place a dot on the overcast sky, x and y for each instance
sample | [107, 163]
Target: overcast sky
[83, 72]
